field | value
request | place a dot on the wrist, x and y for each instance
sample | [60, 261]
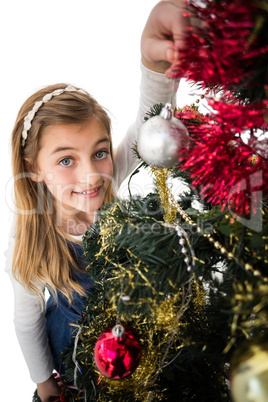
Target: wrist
[159, 67]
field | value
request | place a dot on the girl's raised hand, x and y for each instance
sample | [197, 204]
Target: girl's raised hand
[163, 35]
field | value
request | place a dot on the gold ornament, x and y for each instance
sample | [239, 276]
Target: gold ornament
[250, 374]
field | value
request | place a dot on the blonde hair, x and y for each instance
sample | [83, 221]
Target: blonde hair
[42, 251]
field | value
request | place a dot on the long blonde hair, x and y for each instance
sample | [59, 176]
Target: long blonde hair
[42, 251]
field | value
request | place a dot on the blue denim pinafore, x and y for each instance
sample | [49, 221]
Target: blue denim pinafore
[60, 314]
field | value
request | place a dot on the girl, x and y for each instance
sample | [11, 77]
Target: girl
[64, 170]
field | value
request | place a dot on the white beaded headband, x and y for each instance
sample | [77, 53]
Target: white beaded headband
[29, 118]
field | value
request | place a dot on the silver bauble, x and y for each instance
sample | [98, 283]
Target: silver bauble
[161, 139]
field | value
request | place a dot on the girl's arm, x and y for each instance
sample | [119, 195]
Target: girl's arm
[162, 37]
[154, 88]
[30, 325]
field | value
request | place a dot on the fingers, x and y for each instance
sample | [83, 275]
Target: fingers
[59, 380]
[54, 399]
[159, 50]
[164, 34]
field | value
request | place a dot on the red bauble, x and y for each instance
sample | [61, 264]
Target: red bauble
[117, 352]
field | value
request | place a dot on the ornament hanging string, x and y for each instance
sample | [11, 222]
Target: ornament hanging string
[174, 83]
[77, 367]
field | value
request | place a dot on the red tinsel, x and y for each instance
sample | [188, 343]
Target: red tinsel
[226, 54]
[221, 52]
[228, 171]
[62, 397]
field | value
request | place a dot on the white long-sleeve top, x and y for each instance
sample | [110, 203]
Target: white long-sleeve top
[29, 317]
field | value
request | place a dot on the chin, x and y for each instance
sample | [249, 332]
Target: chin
[91, 207]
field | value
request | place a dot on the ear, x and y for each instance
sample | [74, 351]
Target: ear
[35, 175]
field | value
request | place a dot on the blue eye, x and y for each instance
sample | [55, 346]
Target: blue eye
[66, 162]
[101, 154]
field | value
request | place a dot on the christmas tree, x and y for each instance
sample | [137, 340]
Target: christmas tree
[180, 303]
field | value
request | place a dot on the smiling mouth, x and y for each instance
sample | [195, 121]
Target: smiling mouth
[87, 192]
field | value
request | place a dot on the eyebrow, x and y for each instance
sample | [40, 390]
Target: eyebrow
[60, 149]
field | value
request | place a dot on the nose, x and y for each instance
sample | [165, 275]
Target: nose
[88, 173]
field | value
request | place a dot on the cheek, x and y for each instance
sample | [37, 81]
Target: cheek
[59, 183]
[61, 176]
[108, 170]
[111, 168]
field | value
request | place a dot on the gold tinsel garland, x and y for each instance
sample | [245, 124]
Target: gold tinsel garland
[161, 182]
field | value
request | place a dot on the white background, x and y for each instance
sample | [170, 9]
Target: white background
[90, 44]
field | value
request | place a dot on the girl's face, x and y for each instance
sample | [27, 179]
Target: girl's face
[75, 163]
